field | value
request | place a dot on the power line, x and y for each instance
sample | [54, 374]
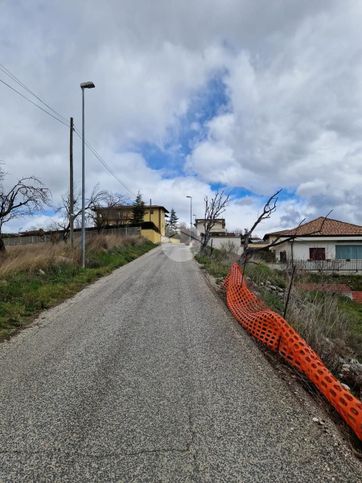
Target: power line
[34, 103]
[25, 87]
[58, 117]
[103, 162]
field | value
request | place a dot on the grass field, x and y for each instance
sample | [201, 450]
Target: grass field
[34, 278]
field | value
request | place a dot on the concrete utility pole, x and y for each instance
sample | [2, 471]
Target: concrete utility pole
[84, 85]
[71, 186]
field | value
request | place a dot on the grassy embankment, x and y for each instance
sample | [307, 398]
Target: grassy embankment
[34, 278]
[331, 324]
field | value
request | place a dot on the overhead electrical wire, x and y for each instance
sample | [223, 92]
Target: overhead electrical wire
[58, 117]
[103, 162]
[25, 87]
[34, 103]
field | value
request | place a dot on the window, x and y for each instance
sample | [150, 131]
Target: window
[283, 257]
[317, 253]
[348, 252]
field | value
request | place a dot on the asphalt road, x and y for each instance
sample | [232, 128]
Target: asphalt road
[144, 376]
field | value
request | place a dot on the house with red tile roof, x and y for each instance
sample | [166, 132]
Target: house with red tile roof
[320, 243]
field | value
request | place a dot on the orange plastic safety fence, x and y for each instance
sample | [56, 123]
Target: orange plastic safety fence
[271, 329]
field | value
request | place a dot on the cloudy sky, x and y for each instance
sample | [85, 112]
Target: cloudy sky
[191, 96]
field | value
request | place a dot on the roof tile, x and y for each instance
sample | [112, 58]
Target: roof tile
[321, 227]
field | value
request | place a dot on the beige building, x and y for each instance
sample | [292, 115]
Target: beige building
[219, 226]
[123, 215]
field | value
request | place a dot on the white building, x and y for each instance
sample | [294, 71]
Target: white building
[220, 237]
[322, 243]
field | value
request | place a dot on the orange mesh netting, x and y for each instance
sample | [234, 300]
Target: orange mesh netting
[271, 329]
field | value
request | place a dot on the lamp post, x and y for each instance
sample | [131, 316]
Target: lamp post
[188, 196]
[83, 85]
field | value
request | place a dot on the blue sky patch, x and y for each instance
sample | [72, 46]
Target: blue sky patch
[208, 102]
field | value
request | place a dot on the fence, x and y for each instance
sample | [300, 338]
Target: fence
[274, 331]
[330, 265]
[55, 236]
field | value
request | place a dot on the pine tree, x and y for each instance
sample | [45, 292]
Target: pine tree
[172, 223]
[138, 209]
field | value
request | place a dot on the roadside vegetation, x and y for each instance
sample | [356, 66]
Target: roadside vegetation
[330, 323]
[34, 278]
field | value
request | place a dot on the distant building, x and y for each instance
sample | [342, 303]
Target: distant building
[219, 226]
[320, 243]
[123, 215]
[220, 237]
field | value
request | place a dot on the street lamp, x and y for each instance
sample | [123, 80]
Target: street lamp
[188, 196]
[83, 85]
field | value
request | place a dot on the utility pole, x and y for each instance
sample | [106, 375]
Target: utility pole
[71, 186]
[150, 208]
[190, 198]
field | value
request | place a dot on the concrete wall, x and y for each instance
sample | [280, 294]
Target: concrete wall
[151, 235]
[225, 242]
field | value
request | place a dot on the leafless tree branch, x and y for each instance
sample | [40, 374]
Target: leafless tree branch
[214, 207]
[98, 198]
[26, 197]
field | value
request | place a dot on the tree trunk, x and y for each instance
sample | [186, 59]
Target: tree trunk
[205, 242]
[2, 245]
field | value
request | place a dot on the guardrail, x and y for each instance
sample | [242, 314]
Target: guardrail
[274, 331]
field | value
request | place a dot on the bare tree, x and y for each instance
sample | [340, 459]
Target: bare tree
[214, 207]
[25, 198]
[268, 209]
[105, 199]
[98, 198]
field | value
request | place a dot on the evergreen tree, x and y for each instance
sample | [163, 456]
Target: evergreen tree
[172, 222]
[138, 209]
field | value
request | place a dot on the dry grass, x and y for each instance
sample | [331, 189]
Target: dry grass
[329, 323]
[107, 242]
[28, 258]
[31, 258]
[318, 318]
[36, 277]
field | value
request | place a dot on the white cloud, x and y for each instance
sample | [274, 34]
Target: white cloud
[295, 117]
[293, 76]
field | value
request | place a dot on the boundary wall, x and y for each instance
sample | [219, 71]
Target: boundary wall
[56, 236]
[274, 332]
